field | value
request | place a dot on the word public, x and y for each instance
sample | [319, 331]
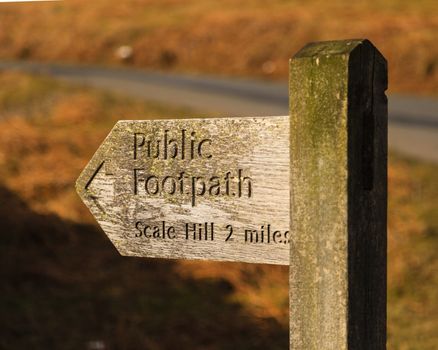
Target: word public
[185, 146]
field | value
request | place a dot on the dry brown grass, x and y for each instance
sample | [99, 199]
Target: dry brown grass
[42, 151]
[234, 37]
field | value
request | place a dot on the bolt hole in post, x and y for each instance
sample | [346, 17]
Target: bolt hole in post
[368, 152]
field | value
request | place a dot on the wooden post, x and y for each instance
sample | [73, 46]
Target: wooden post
[338, 112]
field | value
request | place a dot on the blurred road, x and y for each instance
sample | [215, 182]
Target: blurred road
[413, 121]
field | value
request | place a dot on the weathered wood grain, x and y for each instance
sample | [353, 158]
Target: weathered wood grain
[338, 135]
[257, 147]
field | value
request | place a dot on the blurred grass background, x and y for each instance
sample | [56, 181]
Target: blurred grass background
[63, 284]
[232, 37]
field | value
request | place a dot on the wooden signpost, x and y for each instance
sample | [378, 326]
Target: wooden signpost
[306, 190]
